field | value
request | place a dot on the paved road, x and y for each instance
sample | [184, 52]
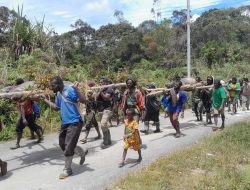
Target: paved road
[36, 167]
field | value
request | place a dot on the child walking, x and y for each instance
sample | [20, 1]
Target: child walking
[131, 136]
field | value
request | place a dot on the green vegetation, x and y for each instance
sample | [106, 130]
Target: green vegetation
[220, 161]
[150, 52]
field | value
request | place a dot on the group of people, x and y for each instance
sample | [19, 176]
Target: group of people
[133, 104]
[218, 96]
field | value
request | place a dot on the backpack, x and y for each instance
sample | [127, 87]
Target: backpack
[36, 109]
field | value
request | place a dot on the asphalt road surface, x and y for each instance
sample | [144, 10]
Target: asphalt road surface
[37, 166]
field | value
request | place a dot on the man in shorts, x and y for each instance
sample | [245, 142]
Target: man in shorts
[218, 103]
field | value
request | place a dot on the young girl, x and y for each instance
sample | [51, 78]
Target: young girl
[131, 136]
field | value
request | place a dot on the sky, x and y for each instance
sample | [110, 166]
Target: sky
[60, 14]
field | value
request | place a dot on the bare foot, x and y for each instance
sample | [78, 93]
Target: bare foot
[121, 164]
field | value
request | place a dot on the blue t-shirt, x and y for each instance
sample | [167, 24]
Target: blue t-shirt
[67, 105]
[164, 101]
[181, 100]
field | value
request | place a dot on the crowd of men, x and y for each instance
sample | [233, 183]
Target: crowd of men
[131, 103]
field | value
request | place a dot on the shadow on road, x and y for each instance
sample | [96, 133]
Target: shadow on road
[183, 126]
[6, 176]
[132, 162]
[81, 169]
[51, 156]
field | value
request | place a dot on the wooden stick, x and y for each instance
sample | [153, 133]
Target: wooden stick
[107, 86]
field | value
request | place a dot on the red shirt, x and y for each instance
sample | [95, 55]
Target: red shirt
[27, 106]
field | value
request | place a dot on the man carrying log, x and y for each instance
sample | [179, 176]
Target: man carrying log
[234, 94]
[218, 103]
[66, 101]
[3, 165]
[152, 111]
[25, 108]
[206, 99]
[245, 94]
[177, 101]
[91, 117]
[132, 98]
[104, 106]
[198, 105]
[36, 113]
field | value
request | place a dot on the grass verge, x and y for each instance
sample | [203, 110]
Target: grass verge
[221, 161]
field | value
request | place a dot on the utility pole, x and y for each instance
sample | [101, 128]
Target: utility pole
[188, 40]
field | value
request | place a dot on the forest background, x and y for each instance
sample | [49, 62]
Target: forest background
[152, 52]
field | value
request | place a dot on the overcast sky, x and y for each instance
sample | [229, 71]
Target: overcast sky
[59, 14]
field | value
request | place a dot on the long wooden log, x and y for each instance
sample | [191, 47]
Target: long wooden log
[158, 92]
[204, 87]
[107, 86]
[184, 88]
[153, 89]
[25, 94]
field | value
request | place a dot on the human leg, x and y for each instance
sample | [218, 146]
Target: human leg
[88, 127]
[157, 122]
[84, 140]
[171, 119]
[32, 135]
[3, 167]
[195, 107]
[207, 106]
[140, 157]
[146, 127]
[95, 123]
[200, 110]
[105, 129]
[146, 122]
[157, 127]
[32, 125]
[19, 131]
[123, 157]
[68, 139]
[176, 124]
[247, 103]
[222, 118]
[235, 101]
[223, 121]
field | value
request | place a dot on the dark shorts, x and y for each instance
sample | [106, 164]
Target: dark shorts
[152, 116]
[69, 136]
[207, 105]
[31, 124]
